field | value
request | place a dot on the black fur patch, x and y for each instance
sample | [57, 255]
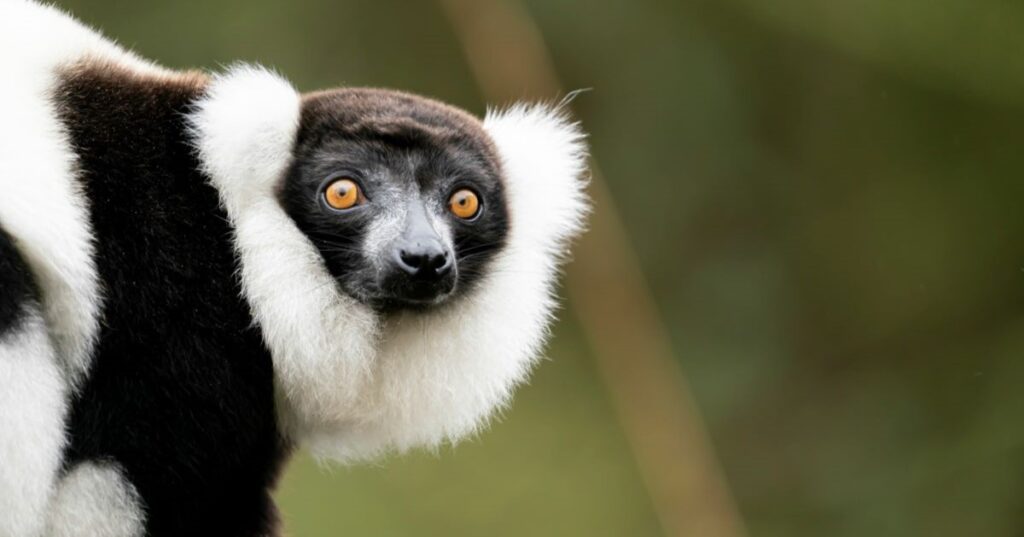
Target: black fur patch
[181, 388]
[17, 288]
[396, 145]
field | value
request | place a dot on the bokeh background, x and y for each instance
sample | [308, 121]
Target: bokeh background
[825, 335]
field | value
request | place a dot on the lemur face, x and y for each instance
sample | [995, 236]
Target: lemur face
[402, 196]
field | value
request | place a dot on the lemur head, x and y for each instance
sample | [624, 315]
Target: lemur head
[399, 255]
[403, 196]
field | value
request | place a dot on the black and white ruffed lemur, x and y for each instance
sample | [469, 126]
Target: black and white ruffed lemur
[198, 272]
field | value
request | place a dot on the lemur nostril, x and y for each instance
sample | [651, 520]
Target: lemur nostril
[437, 261]
[443, 265]
[411, 262]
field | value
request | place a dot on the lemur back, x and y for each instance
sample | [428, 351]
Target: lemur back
[176, 332]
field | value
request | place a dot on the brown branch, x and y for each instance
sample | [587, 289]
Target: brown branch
[508, 56]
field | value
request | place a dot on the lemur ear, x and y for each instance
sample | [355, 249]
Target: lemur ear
[544, 156]
[244, 128]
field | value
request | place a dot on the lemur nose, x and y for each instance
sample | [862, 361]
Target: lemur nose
[425, 258]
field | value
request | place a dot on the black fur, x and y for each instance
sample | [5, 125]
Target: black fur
[398, 147]
[17, 288]
[180, 393]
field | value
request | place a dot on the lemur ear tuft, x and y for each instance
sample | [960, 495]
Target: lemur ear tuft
[544, 156]
[244, 128]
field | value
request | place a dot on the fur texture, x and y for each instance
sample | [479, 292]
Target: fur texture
[95, 500]
[37, 174]
[180, 393]
[305, 319]
[18, 292]
[173, 318]
[33, 402]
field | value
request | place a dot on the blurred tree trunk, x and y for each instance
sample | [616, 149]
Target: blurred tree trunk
[508, 56]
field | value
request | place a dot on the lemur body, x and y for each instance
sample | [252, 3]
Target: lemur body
[199, 272]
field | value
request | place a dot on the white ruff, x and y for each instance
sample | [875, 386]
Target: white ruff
[353, 385]
[321, 340]
[95, 500]
[32, 410]
[40, 202]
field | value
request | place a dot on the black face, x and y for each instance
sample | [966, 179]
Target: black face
[402, 196]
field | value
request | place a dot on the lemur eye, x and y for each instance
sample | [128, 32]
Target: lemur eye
[464, 204]
[343, 194]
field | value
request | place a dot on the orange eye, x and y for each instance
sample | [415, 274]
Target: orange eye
[464, 203]
[343, 194]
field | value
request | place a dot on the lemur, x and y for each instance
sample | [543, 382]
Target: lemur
[199, 272]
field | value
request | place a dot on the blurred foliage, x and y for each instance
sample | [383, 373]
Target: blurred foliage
[826, 200]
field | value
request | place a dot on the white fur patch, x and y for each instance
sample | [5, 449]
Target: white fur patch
[95, 500]
[32, 411]
[321, 340]
[354, 385]
[41, 204]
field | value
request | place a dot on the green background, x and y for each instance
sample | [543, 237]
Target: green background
[825, 198]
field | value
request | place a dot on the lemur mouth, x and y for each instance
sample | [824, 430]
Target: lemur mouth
[397, 304]
[400, 290]
[396, 292]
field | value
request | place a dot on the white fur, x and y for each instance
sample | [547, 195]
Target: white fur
[43, 209]
[95, 500]
[353, 385]
[32, 410]
[321, 340]
[40, 202]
